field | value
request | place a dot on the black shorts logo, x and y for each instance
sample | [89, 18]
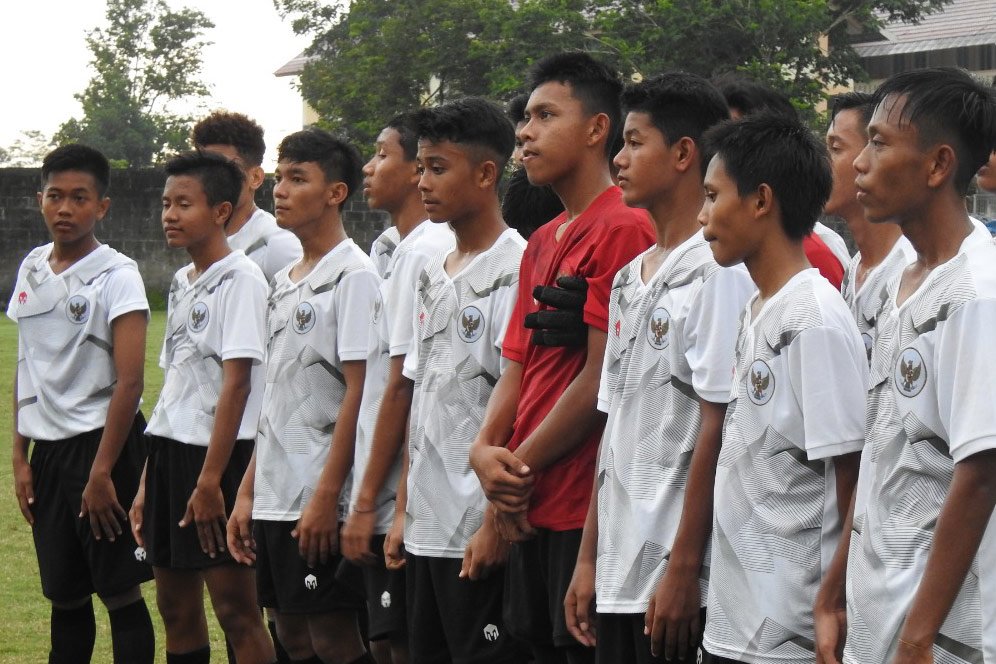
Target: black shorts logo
[199, 315]
[78, 309]
[311, 582]
[657, 329]
[911, 375]
[304, 318]
[471, 324]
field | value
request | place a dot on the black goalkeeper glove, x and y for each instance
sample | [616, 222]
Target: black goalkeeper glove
[563, 324]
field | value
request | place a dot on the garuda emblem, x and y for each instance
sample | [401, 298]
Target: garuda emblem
[762, 382]
[304, 318]
[78, 309]
[660, 323]
[910, 373]
[471, 324]
[198, 317]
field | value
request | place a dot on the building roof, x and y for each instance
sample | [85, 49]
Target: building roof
[961, 23]
[295, 66]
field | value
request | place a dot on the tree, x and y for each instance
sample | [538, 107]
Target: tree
[146, 59]
[377, 57]
[27, 150]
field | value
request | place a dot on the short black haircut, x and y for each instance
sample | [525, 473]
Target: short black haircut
[946, 104]
[593, 83]
[337, 158]
[516, 108]
[235, 129]
[525, 206]
[407, 128]
[853, 101]
[679, 105]
[77, 157]
[220, 178]
[749, 96]
[780, 151]
[473, 122]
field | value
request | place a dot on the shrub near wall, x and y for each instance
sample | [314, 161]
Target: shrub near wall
[132, 225]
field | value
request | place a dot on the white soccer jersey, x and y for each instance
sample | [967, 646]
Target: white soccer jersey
[266, 244]
[455, 363]
[383, 248]
[220, 316]
[392, 316]
[867, 302]
[933, 378]
[798, 399]
[834, 242]
[65, 361]
[671, 342]
[313, 326]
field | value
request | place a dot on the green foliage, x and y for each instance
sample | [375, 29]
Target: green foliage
[375, 58]
[147, 57]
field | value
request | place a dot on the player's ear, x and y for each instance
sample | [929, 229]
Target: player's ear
[598, 129]
[942, 165]
[686, 152]
[764, 200]
[255, 177]
[337, 193]
[487, 174]
[39, 196]
[222, 213]
[102, 207]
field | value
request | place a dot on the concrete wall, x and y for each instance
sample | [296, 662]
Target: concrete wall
[132, 226]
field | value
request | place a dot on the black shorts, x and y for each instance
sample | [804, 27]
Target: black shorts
[72, 564]
[171, 477]
[456, 620]
[285, 582]
[621, 639]
[385, 593]
[539, 572]
[713, 659]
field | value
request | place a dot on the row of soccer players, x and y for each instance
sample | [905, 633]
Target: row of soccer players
[617, 426]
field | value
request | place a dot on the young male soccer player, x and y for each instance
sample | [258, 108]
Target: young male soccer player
[81, 317]
[665, 384]
[296, 488]
[251, 229]
[453, 554]
[793, 431]
[549, 392]
[202, 429]
[919, 576]
[391, 183]
[882, 249]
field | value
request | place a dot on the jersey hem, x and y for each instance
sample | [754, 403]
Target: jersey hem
[748, 658]
[432, 552]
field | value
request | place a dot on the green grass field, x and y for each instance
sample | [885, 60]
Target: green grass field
[24, 635]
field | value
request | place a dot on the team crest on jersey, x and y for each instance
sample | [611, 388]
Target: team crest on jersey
[199, 315]
[78, 309]
[911, 375]
[304, 318]
[660, 323]
[760, 382]
[867, 339]
[471, 324]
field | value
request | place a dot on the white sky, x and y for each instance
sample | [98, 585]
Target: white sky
[46, 62]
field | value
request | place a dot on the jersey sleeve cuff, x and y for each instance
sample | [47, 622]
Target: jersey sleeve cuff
[399, 349]
[596, 320]
[253, 354]
[128, 307]
[714, 396]
[828, 450]
[603, 406]
[352, 355]
[964, 450]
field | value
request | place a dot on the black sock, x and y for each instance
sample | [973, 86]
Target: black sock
[365, 658]
[73, 633]
[199, 656]
[282, 656]
[132, 636]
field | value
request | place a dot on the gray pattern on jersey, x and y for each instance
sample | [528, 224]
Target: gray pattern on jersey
[458, 366]
[382, 250]
[868, 303]
[654, 420]
[912, 470]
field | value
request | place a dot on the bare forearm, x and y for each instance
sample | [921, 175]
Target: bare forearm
[128, 341]
[499, 416]
[21, 443]
[588, 550]
[247, 487]
[388, 437]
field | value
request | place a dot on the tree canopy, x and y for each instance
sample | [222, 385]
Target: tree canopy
[146, 59]
[374, 58]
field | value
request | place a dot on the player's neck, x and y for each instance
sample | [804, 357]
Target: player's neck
[874, 241]
[586, 182]
[65, 255]
[206, 253]
[475, 235]
[240, 217]
[936, 230]
[320, 237]
[774, 263]
[676, 214]
[409, 216]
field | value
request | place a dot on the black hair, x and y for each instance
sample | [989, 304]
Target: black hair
[220, 178]
[749, 96]
[947, 105]
[592, 83]
[525, 206]
[338, 159]
[471, 121]
[235, 129]
[516, 108]
[407, 128]
[679, 105]
[76, 157]
[853, 101]
[774, 149]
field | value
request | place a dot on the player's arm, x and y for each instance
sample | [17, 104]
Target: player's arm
[241, 543]
[388, 440]
[206, 507]
[830, 608]
[100, 500]
[394, 542]
[579, 602]
[673, 616]
[24, 486]
[961, 524]
[317, 530]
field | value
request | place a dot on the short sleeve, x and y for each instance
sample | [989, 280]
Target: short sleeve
[410, 368]
[124, 292]
[829, 373]
[355, 298]
[711, 329]
[619, 245]
[399, 300]
[502, 311]
[516, 338]
[965, 367]
[243, 333]
[282, 249]
[18, 287]
[613, 351]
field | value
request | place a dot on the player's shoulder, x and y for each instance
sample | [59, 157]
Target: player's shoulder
[37, 255]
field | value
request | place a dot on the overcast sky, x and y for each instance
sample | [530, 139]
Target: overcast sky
[45, 62]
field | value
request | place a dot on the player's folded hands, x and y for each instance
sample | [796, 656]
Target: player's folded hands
[506, 480]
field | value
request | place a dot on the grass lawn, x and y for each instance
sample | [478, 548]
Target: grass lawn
[24, 635]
